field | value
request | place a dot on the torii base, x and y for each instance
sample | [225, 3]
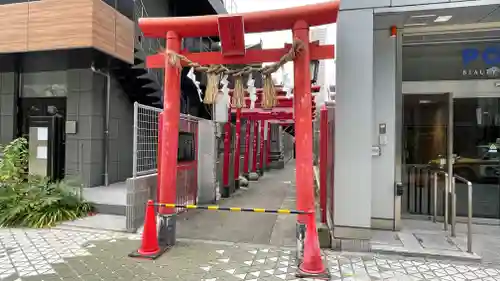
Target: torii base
[253, 176]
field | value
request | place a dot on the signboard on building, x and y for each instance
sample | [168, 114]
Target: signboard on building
[481, 62]
[451, 61]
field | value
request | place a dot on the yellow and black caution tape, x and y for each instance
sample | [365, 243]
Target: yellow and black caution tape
[235, 209]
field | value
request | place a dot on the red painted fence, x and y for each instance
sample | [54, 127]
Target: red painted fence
[327, 163]
[187, 169]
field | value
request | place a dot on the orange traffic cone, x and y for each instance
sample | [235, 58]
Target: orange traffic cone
[312, 264]
[150, 248]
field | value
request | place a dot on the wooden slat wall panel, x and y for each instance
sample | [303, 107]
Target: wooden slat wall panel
[66, 24]
[125, 33]
[59, 24]
[14, 28]
[103, 27]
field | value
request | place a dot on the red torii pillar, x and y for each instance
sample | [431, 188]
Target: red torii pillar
[254, 175]
[231, 30]
[268, 150]
[246, 152]
[226, 157]
[237, 149]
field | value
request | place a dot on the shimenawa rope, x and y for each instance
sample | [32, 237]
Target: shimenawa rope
[214, 73]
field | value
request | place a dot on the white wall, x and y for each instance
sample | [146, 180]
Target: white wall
[353, 122]
[384, 108]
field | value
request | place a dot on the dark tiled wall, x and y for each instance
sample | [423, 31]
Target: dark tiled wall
[85, 105]
[85, 150]
[121, 134]
[7, 106]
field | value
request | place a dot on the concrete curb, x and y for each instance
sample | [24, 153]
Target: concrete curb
[440, 255]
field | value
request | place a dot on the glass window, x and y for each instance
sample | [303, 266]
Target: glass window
[44, 84]
[186, 148]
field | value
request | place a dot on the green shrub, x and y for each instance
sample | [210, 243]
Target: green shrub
[32, 201]
[14, 163]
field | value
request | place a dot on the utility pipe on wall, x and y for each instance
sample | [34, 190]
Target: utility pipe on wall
[106, 122]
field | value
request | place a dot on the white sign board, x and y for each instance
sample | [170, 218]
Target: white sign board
[42, 133]
[41, 152]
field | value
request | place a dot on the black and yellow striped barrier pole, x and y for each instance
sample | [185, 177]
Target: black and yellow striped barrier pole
[235, 209]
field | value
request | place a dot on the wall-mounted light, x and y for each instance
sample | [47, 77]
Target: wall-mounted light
[394, 31]
[443, 18]
[425, 101]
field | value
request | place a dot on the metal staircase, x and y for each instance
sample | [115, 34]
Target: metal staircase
[141, 84]
[146, 85]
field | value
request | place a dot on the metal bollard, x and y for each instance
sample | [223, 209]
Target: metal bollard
[446, 203]
[453, 207]
[469, 217]
[435, 193]
[411, 188]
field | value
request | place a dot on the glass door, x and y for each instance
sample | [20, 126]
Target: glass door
[426, 119]
[471, 143]
[476, 142]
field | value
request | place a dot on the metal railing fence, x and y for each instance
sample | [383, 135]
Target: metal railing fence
[422, 181]
[145, 145]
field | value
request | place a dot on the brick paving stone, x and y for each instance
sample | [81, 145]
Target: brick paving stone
[104, 256]
[77, 255]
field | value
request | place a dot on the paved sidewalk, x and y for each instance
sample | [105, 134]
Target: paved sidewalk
[274, 190]
[216, 246]
[428, 238]
[35, 255]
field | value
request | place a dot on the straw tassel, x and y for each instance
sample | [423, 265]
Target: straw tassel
[213, 79]
[238, 92]
[269, 92]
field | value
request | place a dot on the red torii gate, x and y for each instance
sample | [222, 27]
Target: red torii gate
[282, 102]
[231, 30]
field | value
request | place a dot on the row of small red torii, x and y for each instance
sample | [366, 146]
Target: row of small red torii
[231, 30]
[282, 115]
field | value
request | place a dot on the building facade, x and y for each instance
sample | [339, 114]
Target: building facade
[418, 82]
[78, 67]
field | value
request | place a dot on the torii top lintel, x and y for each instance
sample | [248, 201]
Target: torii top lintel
[254, 22]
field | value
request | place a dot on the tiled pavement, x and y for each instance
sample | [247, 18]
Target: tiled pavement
[34, 255]
[76, 254]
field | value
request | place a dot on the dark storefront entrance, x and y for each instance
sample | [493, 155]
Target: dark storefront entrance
[42, 123]
[39, 107]
[476, 145]
[453, 101]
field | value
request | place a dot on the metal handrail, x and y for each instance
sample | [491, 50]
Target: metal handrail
[435, 192]
[469, 210]
[449, 190]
